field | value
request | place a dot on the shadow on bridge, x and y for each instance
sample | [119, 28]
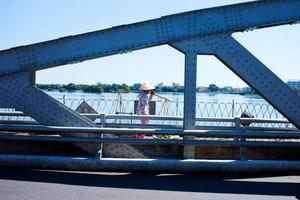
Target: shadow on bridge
[270, 184]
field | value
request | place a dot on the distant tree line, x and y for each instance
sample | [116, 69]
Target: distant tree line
[94, 88]
[100, 88]
[124, 88]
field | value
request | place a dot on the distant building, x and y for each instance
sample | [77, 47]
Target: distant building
[175, 85]
[226, 89]
[237, 91]
[294, 84]
[202, 89]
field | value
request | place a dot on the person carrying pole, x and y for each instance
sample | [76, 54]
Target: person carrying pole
[144, 98]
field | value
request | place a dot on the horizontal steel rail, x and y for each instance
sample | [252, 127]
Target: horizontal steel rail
[150, 117]
[209, 119]
[122, 131]
[19, 122]
[158, 126]
[166, 126]
[12, 113]
[233, 123]
[150, 141]
[165, 165]
[135, 125]
[169, 118]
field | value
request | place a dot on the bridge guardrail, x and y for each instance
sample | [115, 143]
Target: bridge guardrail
[241, 138]
[121, 120]
[214, 109]
[175, 108]
[234, 135]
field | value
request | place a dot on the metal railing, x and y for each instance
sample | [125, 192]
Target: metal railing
[214, 109]
[208, 123]
[241, 138]
[147, 131]
[165, 122]
[234, 136]
[132, 121]
[175, 108]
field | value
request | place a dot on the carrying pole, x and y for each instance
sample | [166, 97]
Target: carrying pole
[162, 97]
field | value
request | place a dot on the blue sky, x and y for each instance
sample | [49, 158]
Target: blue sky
[26, 22]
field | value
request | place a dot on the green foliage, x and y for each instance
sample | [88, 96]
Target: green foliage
[71, 87]
[93, 89]
[136, 87]
[62, 89]
[49, 87]
[97, 88]
[213, 88]
[107, 88]
[122, 88]
[178, 88]
[158, 89]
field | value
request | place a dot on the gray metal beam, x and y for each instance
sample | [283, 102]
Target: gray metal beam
[208, 25]
[167, 118]
[119, 131]
[189, 114]
[190, 80]
[16, 91]
[165, 165]
[120, 39]
[246, 66]
[201, 142]
[190, 86]
[12, 89]
[49, 111]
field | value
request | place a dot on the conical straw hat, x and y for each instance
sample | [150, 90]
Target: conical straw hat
[147, 86]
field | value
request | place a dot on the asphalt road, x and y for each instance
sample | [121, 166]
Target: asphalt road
[23, 184]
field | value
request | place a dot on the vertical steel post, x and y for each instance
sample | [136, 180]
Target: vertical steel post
[102, 122]
[189, 115]
[177, 107]
[32, 78]
[233, 107]
[243, 149]
[233, 111]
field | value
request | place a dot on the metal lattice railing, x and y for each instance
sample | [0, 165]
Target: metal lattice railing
[218, 109]
[175, 108]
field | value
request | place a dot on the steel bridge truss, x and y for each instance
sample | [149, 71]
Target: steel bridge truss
[207, 31]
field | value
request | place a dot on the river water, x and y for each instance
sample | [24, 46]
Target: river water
[208, 97]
